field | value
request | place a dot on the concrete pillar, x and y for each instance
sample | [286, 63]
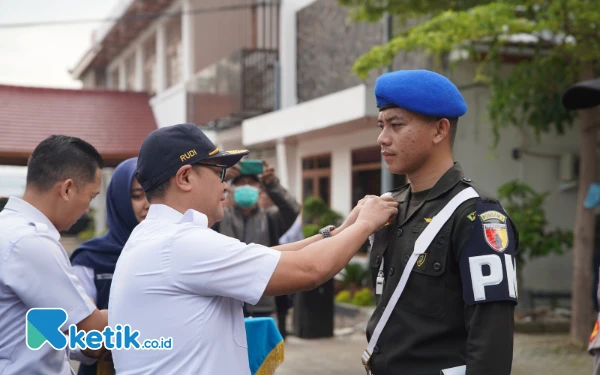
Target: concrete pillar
[282, 170]
[139, 68]
[187, 41]
[341, 180]
[122, 76]
[161, 58]
[100, 202]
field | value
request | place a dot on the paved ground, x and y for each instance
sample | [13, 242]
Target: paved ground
[533, 355]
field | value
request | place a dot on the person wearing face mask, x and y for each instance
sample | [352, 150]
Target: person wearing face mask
[95, 260]
[249, 223]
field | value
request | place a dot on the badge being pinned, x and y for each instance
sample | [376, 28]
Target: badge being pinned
[494, 228]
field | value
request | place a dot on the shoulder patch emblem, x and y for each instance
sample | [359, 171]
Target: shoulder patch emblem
[472, 216]
[494, 230]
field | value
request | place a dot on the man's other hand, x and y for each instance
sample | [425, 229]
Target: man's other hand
[232, 172]
[268, 175]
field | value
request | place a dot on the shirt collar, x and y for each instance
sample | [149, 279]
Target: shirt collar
[32, 214]
[167, 213]
[195, 217]
[163, 212]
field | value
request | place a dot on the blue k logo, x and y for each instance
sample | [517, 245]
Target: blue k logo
[43, 325]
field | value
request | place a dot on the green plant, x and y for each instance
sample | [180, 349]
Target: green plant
[525, 207]
[310, 230]
[317, 214]
[363, 297]
[355, 276]
[344, 296]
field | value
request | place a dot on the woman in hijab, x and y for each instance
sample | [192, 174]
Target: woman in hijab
[95, 260]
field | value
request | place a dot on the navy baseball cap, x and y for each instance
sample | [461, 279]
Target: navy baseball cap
[167, 149]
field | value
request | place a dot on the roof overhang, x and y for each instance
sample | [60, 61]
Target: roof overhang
[132, 17]
[348, 108]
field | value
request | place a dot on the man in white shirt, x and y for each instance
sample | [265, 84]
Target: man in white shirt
[177, 278]
[63, 177]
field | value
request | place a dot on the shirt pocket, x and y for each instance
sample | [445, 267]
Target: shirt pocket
[380, 244]
[239, 327]
[425, 290]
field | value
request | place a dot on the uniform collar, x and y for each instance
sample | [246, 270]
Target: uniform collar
[446, 182]
[167, 213]
[32, 214]
[443, 185]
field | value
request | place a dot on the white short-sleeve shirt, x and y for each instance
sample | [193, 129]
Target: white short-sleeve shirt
[34, 272]
[178, 278]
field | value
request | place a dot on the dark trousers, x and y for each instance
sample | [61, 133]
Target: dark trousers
[283, 303]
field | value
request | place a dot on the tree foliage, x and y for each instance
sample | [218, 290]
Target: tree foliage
[554, 41]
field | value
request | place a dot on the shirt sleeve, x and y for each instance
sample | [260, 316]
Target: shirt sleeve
[490, 329]
[86, 277]
[487, 243]
[489, 320]
[211, 264]
[39, 272]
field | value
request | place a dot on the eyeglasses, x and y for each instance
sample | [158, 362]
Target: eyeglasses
[223, 170]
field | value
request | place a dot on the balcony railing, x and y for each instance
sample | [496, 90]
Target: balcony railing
[235, 88]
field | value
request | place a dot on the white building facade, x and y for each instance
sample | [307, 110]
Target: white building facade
[323, 139]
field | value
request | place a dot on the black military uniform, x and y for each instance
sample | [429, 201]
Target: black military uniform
[439, 322]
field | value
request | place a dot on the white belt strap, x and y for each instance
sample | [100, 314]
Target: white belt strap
[421, 246]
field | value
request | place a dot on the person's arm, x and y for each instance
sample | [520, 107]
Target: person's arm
[85, 275]
[287, 208]
[490, 341]
[230, 268]
[351, 219]
[36, 264]
[318, 262]
[489, 323]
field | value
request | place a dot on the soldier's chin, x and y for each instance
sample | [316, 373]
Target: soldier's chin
[397, 168]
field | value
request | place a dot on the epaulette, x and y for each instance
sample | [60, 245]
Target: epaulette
[484, 195]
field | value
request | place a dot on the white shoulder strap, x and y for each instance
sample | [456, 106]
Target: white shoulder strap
[421, 246]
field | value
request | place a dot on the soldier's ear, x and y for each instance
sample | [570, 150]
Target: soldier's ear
[442, 130]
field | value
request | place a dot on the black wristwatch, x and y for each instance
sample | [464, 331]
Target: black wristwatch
[326, 231]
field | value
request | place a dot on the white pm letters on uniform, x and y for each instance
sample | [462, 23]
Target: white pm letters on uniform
[511, 274]
[495, 277]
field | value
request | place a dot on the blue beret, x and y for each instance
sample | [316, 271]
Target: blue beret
[420, 91]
